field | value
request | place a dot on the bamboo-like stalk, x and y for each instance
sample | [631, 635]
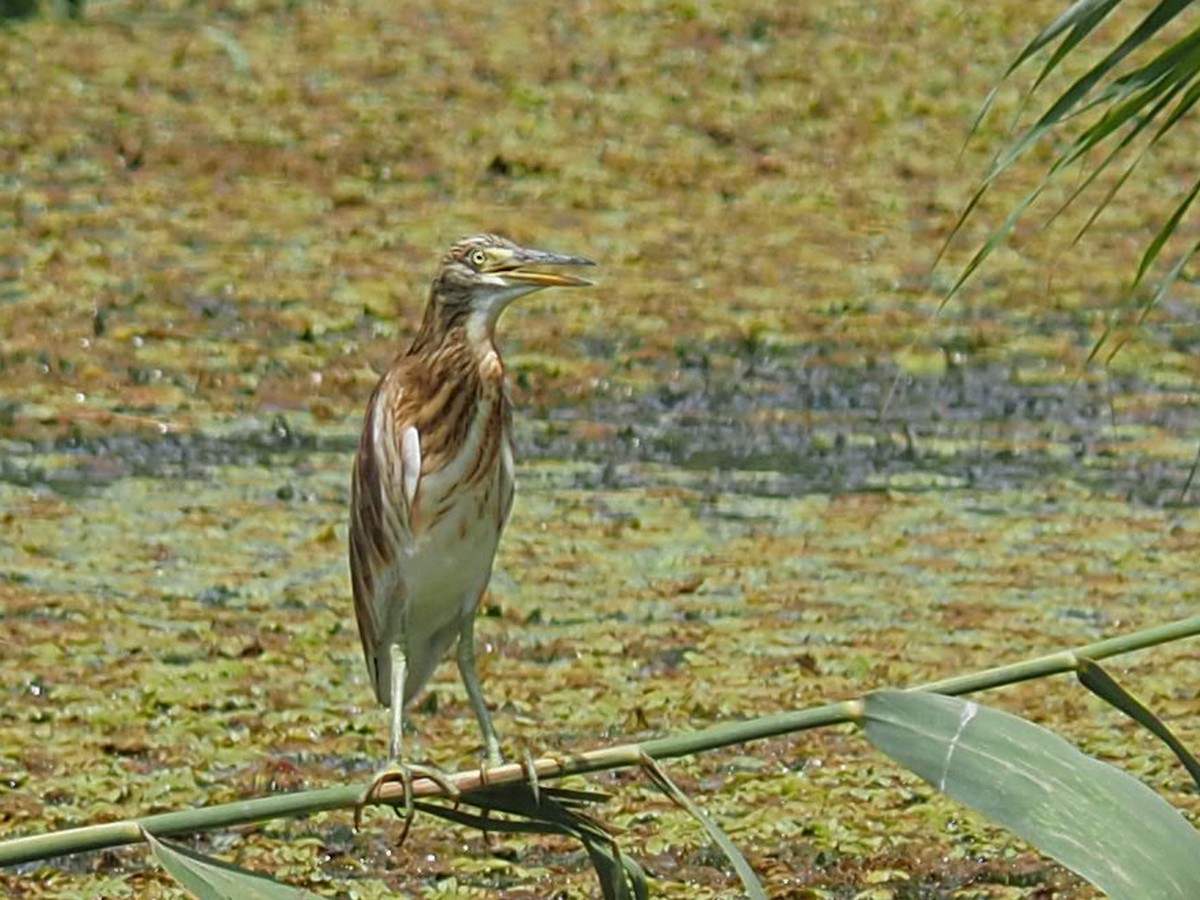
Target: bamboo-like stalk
[113, 834]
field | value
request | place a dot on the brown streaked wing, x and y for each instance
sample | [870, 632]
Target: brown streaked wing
[507, 475]
[372, 546]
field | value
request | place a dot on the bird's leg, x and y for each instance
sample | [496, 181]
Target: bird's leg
[397, 769]
[399, 675]
[470, 677]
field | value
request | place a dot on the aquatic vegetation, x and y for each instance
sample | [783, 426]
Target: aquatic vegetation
[210, 241]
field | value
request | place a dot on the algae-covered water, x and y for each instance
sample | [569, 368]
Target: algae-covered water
[756, 472]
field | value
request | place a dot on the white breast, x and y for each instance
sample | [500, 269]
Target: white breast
[448, 562]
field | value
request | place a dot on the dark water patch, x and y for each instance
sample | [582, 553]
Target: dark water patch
[810, 427]
[827, 429]
[89, 462]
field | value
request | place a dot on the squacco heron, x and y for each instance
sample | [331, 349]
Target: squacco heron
[433, 482]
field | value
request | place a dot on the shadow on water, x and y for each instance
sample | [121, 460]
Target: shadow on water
[805, 428]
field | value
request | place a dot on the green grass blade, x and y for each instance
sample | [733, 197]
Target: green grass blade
[1153, 85]
[1164, 233]
[1160, 82]
[1171, 277]
[993, 241]
[1093, 676]
[1181, 109]
[1124, 101]
[1079, 19]
[1113, 120]
[1191, 477]
[1066, 103]
[1037, 785]
[490, 823]
[1121, 114]
[1081, 26]
[211, 879]
[1164, 286]
[1111, 192]
[620, 876]
[959, 223]
[1141, 123]
[1099, 344]
[552, 810]
[663, 782]
[1176, 62]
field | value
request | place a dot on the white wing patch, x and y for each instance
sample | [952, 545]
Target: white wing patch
[410, 462]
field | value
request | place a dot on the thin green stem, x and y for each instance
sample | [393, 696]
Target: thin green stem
[96, 837]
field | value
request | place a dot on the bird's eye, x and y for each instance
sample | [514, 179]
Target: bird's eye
[478, 258]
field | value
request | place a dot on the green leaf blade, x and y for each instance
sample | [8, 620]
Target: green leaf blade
[211, 879]
[1093, 676]
[1074, 808]
[750, 884]
[1080, 19]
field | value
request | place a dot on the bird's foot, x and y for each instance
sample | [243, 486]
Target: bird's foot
[493, 759]
[528, 768]
[405, 775]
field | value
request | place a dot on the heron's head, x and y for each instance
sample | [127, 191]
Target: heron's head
[482, 274]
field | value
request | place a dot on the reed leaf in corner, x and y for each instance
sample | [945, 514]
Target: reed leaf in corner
[1072, 807]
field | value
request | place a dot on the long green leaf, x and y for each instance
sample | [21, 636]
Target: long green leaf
[1104, 164]
[1191, 477]
[211, 879]
[1080, 18]
[1154, 21]
[1156, 82]
[1121, 114]
[1128, 104]
[1165, 232]
[1088, 140]
[1116, 118]
[550, 810]
[1164, 286]
[658, 775]
[1182, 108]
[993, 241]
[620, 875]
[1082, 24]
[1093, 676]
[1095, 819]
[1175, 61]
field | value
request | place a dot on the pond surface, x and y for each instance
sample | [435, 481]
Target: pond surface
[756, 471]
[676, 559]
